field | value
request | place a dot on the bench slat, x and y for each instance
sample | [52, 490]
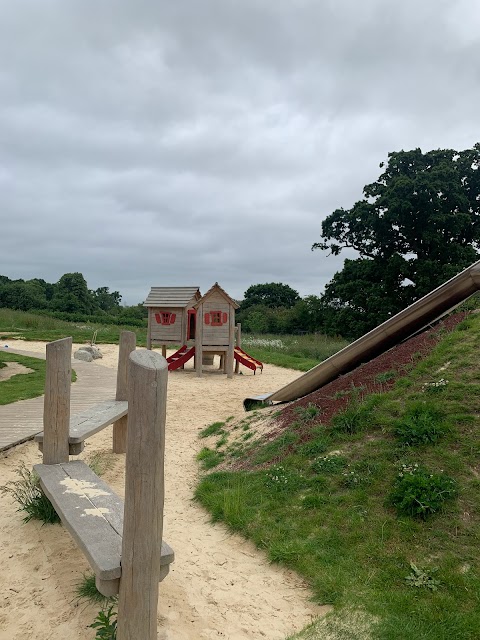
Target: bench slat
[88, 422]
[92, 513]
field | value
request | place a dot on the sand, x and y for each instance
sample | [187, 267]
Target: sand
[220, 586]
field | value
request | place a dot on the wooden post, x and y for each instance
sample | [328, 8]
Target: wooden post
[128, 341]
[144, 493]
[149, 329]
[56, 405]
[231, 343]
[199, 341]
[239, 344]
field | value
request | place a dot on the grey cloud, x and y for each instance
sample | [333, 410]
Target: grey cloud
[201, 141]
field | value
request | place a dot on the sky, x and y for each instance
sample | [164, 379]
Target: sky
[158, 143]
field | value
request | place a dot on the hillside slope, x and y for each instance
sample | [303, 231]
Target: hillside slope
[369, 490]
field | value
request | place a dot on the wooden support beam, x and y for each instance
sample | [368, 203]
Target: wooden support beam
[199, 341]
[231, 343]
[128, 342]
[144, 495]
[238, 344]
[56, 406]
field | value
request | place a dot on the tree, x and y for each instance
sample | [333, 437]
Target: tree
[273, 295]
[72, 295]
[416, 226]
[107, 300]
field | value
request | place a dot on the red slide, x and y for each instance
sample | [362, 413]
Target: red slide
[179, 358]
[247, 361]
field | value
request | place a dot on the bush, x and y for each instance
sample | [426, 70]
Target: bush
[422, 424]
[419, 493]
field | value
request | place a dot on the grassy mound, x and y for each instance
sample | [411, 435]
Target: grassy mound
[376, 506]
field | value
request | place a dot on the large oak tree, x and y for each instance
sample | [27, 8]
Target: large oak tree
[415, 227]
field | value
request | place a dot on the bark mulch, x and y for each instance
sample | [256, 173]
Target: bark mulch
[367, 378]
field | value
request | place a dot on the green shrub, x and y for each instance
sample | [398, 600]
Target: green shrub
[419, 493]
[422, 423]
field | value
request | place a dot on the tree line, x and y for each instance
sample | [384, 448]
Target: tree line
[69, 299]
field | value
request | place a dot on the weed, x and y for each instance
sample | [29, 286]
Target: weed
[280, 479]
[308, 413]
[329, 464]
[212, 429]
[386, 376]
[87, 590]
[422, 423]
[105, 624]
[419, 493]
[209, 458]
[26, 491]
[422, 578]
[100, 462]
[352, 420]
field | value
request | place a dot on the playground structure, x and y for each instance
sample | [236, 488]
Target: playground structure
[401, 326]
[121, 540]
[203, 325]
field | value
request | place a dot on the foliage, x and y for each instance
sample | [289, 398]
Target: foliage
[209, 458]
[26, 491]
[422, 423]
[272, 295]
[212, 429]
[331, 463]
[419, 493]
[422, 578]
[86, 590]
[105, 624]
[416, 226]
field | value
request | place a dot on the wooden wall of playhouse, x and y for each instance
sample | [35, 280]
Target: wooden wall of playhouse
[169, 310]
[181, 316]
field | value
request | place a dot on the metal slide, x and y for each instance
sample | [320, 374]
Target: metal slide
[391, 332]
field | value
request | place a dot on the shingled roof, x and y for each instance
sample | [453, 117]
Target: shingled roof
[217, 287]
[171, 296]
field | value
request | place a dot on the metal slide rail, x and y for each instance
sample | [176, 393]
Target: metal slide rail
[386, 335]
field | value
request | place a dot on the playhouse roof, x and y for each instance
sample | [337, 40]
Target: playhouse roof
[171, 296]
[217, 287]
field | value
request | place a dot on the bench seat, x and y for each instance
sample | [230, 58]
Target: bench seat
[93, 514]
[85, 424]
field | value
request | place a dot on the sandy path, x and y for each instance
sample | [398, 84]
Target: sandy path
[219, 587]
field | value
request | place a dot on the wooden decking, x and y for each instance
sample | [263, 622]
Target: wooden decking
[20, 421]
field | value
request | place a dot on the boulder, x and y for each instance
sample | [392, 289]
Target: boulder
[92, 350]
[81, 354]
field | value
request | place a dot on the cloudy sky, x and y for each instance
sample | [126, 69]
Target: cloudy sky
[158, 143]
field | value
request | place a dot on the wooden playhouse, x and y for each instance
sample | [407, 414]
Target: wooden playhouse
[203, 325]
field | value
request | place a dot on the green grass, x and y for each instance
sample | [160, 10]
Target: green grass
[293, 352]
[25, 385]
[29, 497]
[86, 591]
[338, 528]
[29, 326]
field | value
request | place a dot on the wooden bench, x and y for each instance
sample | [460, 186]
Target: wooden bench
[93, 514]
[122, 541]
[92, 420]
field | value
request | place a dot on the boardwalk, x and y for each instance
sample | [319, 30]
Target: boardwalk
[20, 421]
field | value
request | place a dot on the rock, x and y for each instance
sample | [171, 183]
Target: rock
[81, 354]
[92, 350]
